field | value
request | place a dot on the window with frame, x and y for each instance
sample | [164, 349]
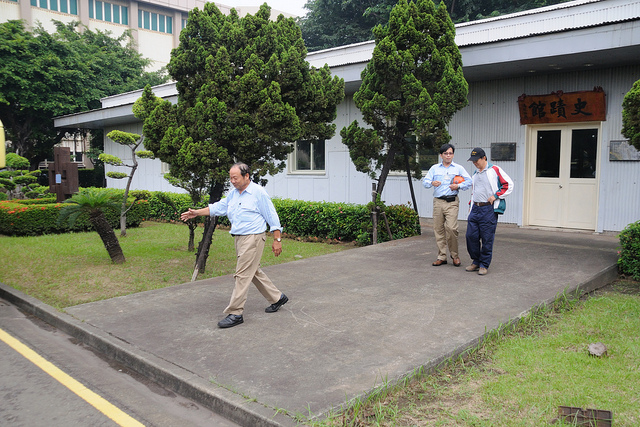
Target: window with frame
[308, 156]
[155, 21]
[108, 12]
[64, 6]
[425, 157]
[165, 168]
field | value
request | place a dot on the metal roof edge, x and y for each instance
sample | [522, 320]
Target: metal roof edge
[527, 12]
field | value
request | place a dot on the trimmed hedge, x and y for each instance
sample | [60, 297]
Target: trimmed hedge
[340, 221]
[343, 222]
[164, 206]
[629, 255]
[33, 217]
[333, 221]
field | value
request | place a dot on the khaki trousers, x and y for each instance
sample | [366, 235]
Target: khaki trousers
[249, 250]
[445, 227]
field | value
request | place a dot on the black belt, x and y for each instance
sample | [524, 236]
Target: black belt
[448, 198]
[482, 203]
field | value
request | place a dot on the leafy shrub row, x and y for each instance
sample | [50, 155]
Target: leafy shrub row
[344, 221]
[164, 206]
[629, 259]
[33, 217]
[334, 221]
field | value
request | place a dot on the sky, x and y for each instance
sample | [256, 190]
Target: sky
[291, 6]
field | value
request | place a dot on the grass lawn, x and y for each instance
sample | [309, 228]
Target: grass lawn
[62, 270]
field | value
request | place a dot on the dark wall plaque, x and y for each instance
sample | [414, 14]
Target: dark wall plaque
[622, 150]
[503, 151]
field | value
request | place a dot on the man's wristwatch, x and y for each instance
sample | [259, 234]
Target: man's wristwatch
[278, 239]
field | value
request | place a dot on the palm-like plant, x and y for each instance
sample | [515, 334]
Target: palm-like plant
[93, 201]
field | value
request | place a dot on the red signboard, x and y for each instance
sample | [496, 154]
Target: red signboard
[561, 107]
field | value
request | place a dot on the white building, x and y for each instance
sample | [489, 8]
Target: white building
[571, 166]
[155, 24]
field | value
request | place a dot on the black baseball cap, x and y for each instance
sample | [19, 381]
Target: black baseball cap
[477, 153]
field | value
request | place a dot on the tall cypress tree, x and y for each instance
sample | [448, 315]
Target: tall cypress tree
[245, 93]
[631, 115]
[410, 90]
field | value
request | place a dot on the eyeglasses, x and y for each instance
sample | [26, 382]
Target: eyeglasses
[448, 153]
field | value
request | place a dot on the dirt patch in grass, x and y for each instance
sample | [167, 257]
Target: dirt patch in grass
[623, 285]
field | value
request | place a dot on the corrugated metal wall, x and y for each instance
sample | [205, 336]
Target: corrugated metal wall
[620, 184]
[492, 116]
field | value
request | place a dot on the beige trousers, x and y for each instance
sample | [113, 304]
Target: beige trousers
[445, 227]
[249, 250]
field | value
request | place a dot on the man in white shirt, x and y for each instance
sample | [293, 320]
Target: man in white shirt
[249, 209]
[446, 178]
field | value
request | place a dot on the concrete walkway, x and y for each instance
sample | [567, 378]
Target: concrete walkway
[355, 320]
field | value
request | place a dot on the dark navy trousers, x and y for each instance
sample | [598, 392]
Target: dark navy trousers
[481, 230]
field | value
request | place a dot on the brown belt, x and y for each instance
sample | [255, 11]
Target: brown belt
[482, 203]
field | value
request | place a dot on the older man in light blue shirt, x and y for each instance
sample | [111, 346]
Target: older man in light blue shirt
[249, 209]
[447, 178]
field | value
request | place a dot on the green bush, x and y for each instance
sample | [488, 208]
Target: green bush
[37, 191]
[33, 217]
[15, 161]
[339, 221]
[629, 255]
[6, 184]
[333, 221]
[51, 198]
[165, 206]
[343, 222]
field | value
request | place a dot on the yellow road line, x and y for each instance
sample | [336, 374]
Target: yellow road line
[75, 386]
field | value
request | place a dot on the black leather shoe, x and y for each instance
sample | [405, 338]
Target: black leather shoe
[275, 307]
[230, 320]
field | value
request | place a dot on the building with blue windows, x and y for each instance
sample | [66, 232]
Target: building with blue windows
[155, 25]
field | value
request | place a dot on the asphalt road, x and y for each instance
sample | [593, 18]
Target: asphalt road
[49, 379]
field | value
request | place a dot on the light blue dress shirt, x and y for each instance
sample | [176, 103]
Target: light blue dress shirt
[248, 212]
[438, 172]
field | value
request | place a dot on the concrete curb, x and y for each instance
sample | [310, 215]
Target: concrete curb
[171, 376]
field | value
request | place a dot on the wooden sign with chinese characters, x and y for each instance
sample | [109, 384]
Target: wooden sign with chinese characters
[561, 107]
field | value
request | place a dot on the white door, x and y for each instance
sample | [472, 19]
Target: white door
[563, 177]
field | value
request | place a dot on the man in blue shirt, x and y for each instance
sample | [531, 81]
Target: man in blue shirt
[447, 178]
[249, 210]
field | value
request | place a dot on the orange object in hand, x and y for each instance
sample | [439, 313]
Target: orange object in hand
[458, 179]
